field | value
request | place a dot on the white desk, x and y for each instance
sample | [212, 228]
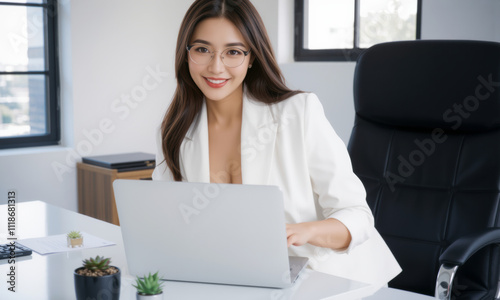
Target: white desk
[51, 276]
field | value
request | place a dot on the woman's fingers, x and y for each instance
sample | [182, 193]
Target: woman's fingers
[297, 234]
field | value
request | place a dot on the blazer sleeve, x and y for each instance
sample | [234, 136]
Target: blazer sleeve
[340, 193]
[161, 171]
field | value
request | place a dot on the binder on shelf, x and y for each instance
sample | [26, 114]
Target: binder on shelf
[123, 162]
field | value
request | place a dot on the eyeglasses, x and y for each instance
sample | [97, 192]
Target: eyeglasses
[202, 54]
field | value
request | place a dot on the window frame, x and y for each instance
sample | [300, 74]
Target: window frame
[51, 73]
[349, 54]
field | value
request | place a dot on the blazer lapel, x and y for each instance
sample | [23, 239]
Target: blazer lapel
[258, 136]
[194, 150]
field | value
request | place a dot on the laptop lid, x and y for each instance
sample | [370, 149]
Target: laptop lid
[201, 232]
[123, 161]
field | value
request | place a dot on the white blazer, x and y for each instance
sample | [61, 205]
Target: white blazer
[292, 145]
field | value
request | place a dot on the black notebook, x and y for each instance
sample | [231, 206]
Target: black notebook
[123, 162]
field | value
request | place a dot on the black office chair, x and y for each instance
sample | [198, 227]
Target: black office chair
[426, 144]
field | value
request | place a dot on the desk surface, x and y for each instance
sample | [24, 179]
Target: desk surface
[51, 276]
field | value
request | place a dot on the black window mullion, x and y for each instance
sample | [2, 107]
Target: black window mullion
[52, 82]
[299, 50]
[419, 20]
[23, 4]
[24, 73]
[356, 24]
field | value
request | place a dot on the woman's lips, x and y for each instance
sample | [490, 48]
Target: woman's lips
[216, 82]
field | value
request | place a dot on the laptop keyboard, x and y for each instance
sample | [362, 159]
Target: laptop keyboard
[19, 250]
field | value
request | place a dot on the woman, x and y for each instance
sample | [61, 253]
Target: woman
[233, 120]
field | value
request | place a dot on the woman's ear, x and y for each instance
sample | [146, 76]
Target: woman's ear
[252, 58]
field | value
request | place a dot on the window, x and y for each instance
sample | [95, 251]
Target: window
[339, 30]
[29, 108]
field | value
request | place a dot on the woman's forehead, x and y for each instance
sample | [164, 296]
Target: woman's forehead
[217, 32]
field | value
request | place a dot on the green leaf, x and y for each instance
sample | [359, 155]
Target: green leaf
[149, 285]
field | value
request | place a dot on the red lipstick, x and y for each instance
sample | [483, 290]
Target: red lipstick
[216, 82]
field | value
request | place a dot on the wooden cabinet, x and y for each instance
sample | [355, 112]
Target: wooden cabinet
[95, 190]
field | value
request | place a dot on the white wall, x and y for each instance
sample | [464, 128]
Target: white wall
[107, 48]
[460, 19]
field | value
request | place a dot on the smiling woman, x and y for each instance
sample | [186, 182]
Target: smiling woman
[219, 77]
[233, 120]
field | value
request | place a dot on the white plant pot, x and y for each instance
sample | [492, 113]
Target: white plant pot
[150, 297]
[72, 243]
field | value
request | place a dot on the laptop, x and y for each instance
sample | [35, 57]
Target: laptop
[206, 232]
[123, 162]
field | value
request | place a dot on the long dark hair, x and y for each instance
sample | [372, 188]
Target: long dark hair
[264, 81]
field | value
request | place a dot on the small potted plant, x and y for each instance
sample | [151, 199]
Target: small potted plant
[149, 288]
[96, 279]
[75, 239]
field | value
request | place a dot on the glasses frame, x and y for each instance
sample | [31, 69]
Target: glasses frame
[189, 47]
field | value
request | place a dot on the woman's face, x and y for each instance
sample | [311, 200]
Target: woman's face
[217, 81]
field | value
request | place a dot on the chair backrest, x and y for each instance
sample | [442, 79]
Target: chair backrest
[426, 144]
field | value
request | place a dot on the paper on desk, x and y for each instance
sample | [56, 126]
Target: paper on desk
[58, 243]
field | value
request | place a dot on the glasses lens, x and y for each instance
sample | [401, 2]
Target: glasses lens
[200, 54]
[233, 57]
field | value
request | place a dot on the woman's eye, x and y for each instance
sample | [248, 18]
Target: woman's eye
[201, 50]
[233, 52]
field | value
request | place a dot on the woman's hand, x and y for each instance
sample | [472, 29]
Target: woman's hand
[299, 234]
[329, 233]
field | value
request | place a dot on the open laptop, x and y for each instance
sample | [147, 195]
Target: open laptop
[201, 232]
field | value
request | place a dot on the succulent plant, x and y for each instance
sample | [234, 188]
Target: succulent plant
[150, 285]
[74, 234]
[97, 263]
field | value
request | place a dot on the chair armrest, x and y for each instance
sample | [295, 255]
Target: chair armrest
[457, 254]
[463, 248]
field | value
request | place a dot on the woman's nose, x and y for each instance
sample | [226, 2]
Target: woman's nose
[216, 65]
